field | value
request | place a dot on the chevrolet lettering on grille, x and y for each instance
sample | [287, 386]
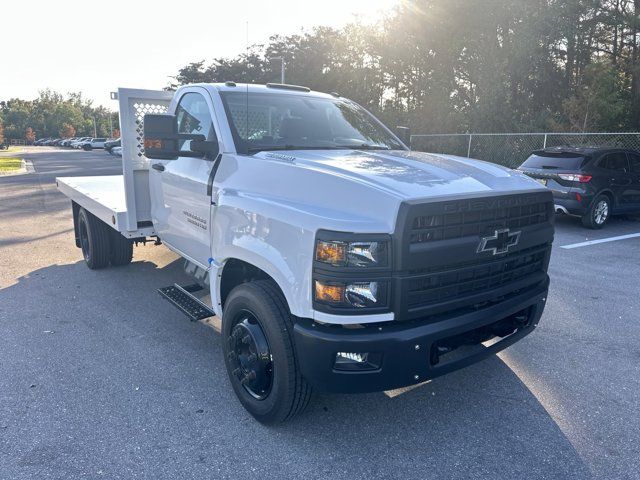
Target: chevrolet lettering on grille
[500, 242]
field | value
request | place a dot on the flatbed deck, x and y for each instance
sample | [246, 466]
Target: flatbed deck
[104, 197]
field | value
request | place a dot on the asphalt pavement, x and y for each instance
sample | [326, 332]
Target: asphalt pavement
[101, 378]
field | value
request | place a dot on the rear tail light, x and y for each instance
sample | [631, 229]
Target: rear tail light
[573, 177]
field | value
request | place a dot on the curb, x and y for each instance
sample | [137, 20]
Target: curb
[27, 168]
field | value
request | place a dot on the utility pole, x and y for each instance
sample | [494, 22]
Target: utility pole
[281, 67]
[95, 130]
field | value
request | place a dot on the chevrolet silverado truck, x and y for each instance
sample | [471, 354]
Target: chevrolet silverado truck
[334, 257]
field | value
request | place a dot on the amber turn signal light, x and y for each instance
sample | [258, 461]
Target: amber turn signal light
[334, 253]
[152, 143]
[329, 293]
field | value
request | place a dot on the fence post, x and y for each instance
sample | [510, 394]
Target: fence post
[544, 145]
[469, 147]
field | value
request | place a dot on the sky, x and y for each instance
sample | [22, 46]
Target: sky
[96, 47]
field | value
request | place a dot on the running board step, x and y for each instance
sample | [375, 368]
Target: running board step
[188, 304]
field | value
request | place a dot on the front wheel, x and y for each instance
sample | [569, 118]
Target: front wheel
[259, 353]
[86, 147]
[598, 214]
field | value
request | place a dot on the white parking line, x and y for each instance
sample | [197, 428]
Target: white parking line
[602, 240]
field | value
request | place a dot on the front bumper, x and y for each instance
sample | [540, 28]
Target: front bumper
[407, 348]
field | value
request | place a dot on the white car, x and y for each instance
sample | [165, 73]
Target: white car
[93, 143]
[68, 141]
[76, 144]
[116, 151]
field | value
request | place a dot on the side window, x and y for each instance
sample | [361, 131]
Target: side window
[634, 160]
[614, 161]
[193, 116]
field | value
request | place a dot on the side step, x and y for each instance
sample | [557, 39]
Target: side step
[187, 303]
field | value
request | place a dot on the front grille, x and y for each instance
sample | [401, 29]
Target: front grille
[439, 263]
[467, 279]
[465, 218]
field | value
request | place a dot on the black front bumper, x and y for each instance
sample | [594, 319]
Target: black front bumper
[407, 347]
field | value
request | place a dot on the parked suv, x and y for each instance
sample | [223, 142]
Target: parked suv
[112, 143]
[93, 143]
[593, 183]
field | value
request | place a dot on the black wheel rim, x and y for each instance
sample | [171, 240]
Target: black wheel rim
[84, 240]
[249, 356]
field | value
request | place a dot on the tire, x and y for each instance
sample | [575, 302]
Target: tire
[121, 249]
[86, 148]
[95, 240]
[598, 213]
[278, 392]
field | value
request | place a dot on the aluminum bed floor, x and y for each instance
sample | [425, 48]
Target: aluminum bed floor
[104, 197]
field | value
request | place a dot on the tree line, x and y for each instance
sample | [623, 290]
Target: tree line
[55, 115]
[437, 66]
[444, 66]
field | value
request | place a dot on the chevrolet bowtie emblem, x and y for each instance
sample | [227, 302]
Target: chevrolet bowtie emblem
[500, 242]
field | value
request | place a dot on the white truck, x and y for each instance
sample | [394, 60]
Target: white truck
[336, 258]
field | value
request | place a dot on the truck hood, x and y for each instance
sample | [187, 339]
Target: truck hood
[410, 175]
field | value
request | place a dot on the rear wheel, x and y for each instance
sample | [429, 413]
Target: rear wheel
[86, 147]
[598, 214]
[121, 249]
[95, 240]
[259, 353]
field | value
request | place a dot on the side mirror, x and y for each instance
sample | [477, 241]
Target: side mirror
[161, 140]
[209, 148]
[404, 134]
[160, 137]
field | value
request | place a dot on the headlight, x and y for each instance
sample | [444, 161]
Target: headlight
[352, 273]
[353, 254]
[353, 295]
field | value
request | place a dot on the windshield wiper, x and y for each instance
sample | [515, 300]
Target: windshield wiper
[284, 147]
[364, 146]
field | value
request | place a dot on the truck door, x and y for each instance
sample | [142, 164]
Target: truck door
[180, 201]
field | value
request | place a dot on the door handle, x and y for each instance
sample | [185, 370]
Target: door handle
[158, 166]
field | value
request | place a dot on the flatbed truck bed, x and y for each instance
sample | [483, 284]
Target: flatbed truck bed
[104, 197]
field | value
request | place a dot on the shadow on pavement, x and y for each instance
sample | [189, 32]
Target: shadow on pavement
[97, 373]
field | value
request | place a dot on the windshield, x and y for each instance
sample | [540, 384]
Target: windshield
[263, 121]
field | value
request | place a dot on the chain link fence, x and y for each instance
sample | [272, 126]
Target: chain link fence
[511, 149]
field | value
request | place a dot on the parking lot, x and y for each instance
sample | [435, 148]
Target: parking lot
[100, 378]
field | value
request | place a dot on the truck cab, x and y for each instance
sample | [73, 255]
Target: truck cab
[336, 258]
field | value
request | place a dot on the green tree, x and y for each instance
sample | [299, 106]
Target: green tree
[599, 103]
